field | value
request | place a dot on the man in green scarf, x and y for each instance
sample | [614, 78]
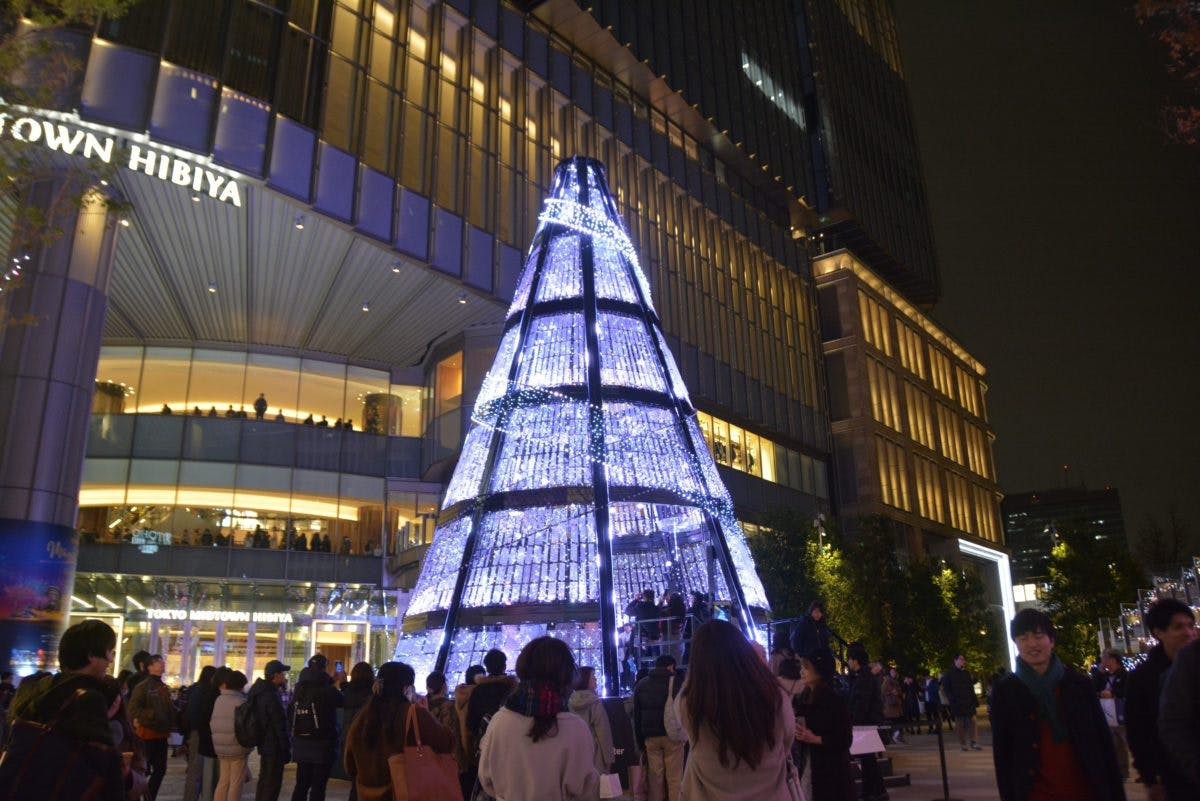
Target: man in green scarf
[1050, 740]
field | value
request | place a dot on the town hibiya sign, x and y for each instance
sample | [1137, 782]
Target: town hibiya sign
[76, 140]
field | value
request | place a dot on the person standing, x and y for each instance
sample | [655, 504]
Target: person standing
[933, 703]
[260, 406]
[1179, 720]
[826, 732]
[664, 756]
[866, 709]
[314, 729]
[959, 686]
[586, 704]
[274, 749]
[1172, 623]
[893, 702]
[486, 700]
[534, 749]
[1050, 741]
[75, 697]
[442, 709]
[355, 695]
[197, 781]
[465, 753]
[153, 715]
[378, 732]
[1110, 686]
[231, 755]
[645, 613]
[141, 661]
[812, 633]
[737, 718]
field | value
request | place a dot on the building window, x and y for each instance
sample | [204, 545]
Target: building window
[893, 474]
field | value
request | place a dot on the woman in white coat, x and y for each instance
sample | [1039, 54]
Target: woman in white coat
[231, 755]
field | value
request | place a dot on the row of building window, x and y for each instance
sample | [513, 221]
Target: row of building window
[885, 408]
[947, 378]
[941, 495]
[735, 447]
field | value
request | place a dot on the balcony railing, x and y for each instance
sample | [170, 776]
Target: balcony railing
[230, 563]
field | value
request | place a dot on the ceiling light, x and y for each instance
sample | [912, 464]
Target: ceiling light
[106, 602]
[134, 601]
[103, 182]
[81, 602]
[299, 222]
[212, 287]
[396, 266]
[366, 306]
[462, 298]
[125, 222]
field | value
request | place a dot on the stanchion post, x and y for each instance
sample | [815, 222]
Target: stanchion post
[942, 757]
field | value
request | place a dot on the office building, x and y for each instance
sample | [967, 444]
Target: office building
[1033, 519]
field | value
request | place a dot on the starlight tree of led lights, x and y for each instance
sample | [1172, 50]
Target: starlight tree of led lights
[584, 476]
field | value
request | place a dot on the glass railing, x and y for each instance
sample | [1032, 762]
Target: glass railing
[264, 564]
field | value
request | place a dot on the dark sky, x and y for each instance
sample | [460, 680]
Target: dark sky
[1067, 231]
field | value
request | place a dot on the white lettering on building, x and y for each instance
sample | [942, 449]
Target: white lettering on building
[219, 616]
[143, 158]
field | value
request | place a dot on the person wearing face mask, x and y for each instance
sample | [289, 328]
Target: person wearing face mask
[1050, 739]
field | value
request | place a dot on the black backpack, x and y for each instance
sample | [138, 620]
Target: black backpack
[311, 719]
[248, 724]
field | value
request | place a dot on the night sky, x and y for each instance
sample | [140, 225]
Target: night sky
[1067, 232]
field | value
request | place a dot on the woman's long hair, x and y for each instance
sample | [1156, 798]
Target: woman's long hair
[546, 669]
[730, 693]
[385, 714]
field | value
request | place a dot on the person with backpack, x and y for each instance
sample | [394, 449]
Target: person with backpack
[231, 753]
[264, 725]
[464, 753]
[313, 717]
[486, 700]
[153, 717]
[663, 753]
[586, 704]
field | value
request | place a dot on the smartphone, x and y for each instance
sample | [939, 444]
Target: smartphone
[339, 667]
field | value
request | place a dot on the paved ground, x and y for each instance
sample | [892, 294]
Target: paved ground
[972, 777]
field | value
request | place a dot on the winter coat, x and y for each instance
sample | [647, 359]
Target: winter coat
[317, 688]
[960, 692]
[865, 699]
[1119, 680]
[462, 697]
[1141, 717]
[354, 697]
[515, 768]
[268, 706]
[443, 711]
[706, 779]
[487, 697]
[150, 709]
[893, 706]
[587, 705]
[1179, 722]
[640, 609]
[649, 701]
[826, 714]
[84, 720]
[1017, 732]
[809, 636]
[200, 704]
[225, 742]
[367, 751]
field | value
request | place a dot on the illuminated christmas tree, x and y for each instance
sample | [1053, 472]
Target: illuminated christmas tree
[584, 476]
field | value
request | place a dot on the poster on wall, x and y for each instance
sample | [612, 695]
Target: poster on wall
[37, 571]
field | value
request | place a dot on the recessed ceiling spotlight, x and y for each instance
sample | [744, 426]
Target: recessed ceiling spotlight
[366, 306]
[396, 266]
[462, 298]
[125, 222]
[195, 198]
[212, 287]
[299, 222]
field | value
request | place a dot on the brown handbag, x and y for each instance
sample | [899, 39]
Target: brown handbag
[419, 774]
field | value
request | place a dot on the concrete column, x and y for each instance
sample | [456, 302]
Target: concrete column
[47, 374]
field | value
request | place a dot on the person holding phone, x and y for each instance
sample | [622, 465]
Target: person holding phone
[823, 727]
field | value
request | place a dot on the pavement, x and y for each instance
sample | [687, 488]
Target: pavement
[971, 774]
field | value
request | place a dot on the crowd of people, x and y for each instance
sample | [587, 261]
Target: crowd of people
[260, 413]
[733, 724]
[289, 539]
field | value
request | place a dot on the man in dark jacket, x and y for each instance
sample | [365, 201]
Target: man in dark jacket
[1179, 720]
[664, 756]
[313, 715]
[1173, 625]
[643, 610]
[197, 717]
[75, 697]
[274, 748]
[141, 664]
[866, 709]
[960, 692]
[812, 632]
[1049, 736]
[487, 697]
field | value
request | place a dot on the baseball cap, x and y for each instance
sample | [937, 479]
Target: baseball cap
[275, 666]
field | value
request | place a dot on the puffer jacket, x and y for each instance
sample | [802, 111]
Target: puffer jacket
[649, 701]
[225, 742]
[150, 708]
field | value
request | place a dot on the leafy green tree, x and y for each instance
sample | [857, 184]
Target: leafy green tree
[1089, 578]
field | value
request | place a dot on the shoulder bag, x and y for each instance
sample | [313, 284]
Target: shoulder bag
[419, 774]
